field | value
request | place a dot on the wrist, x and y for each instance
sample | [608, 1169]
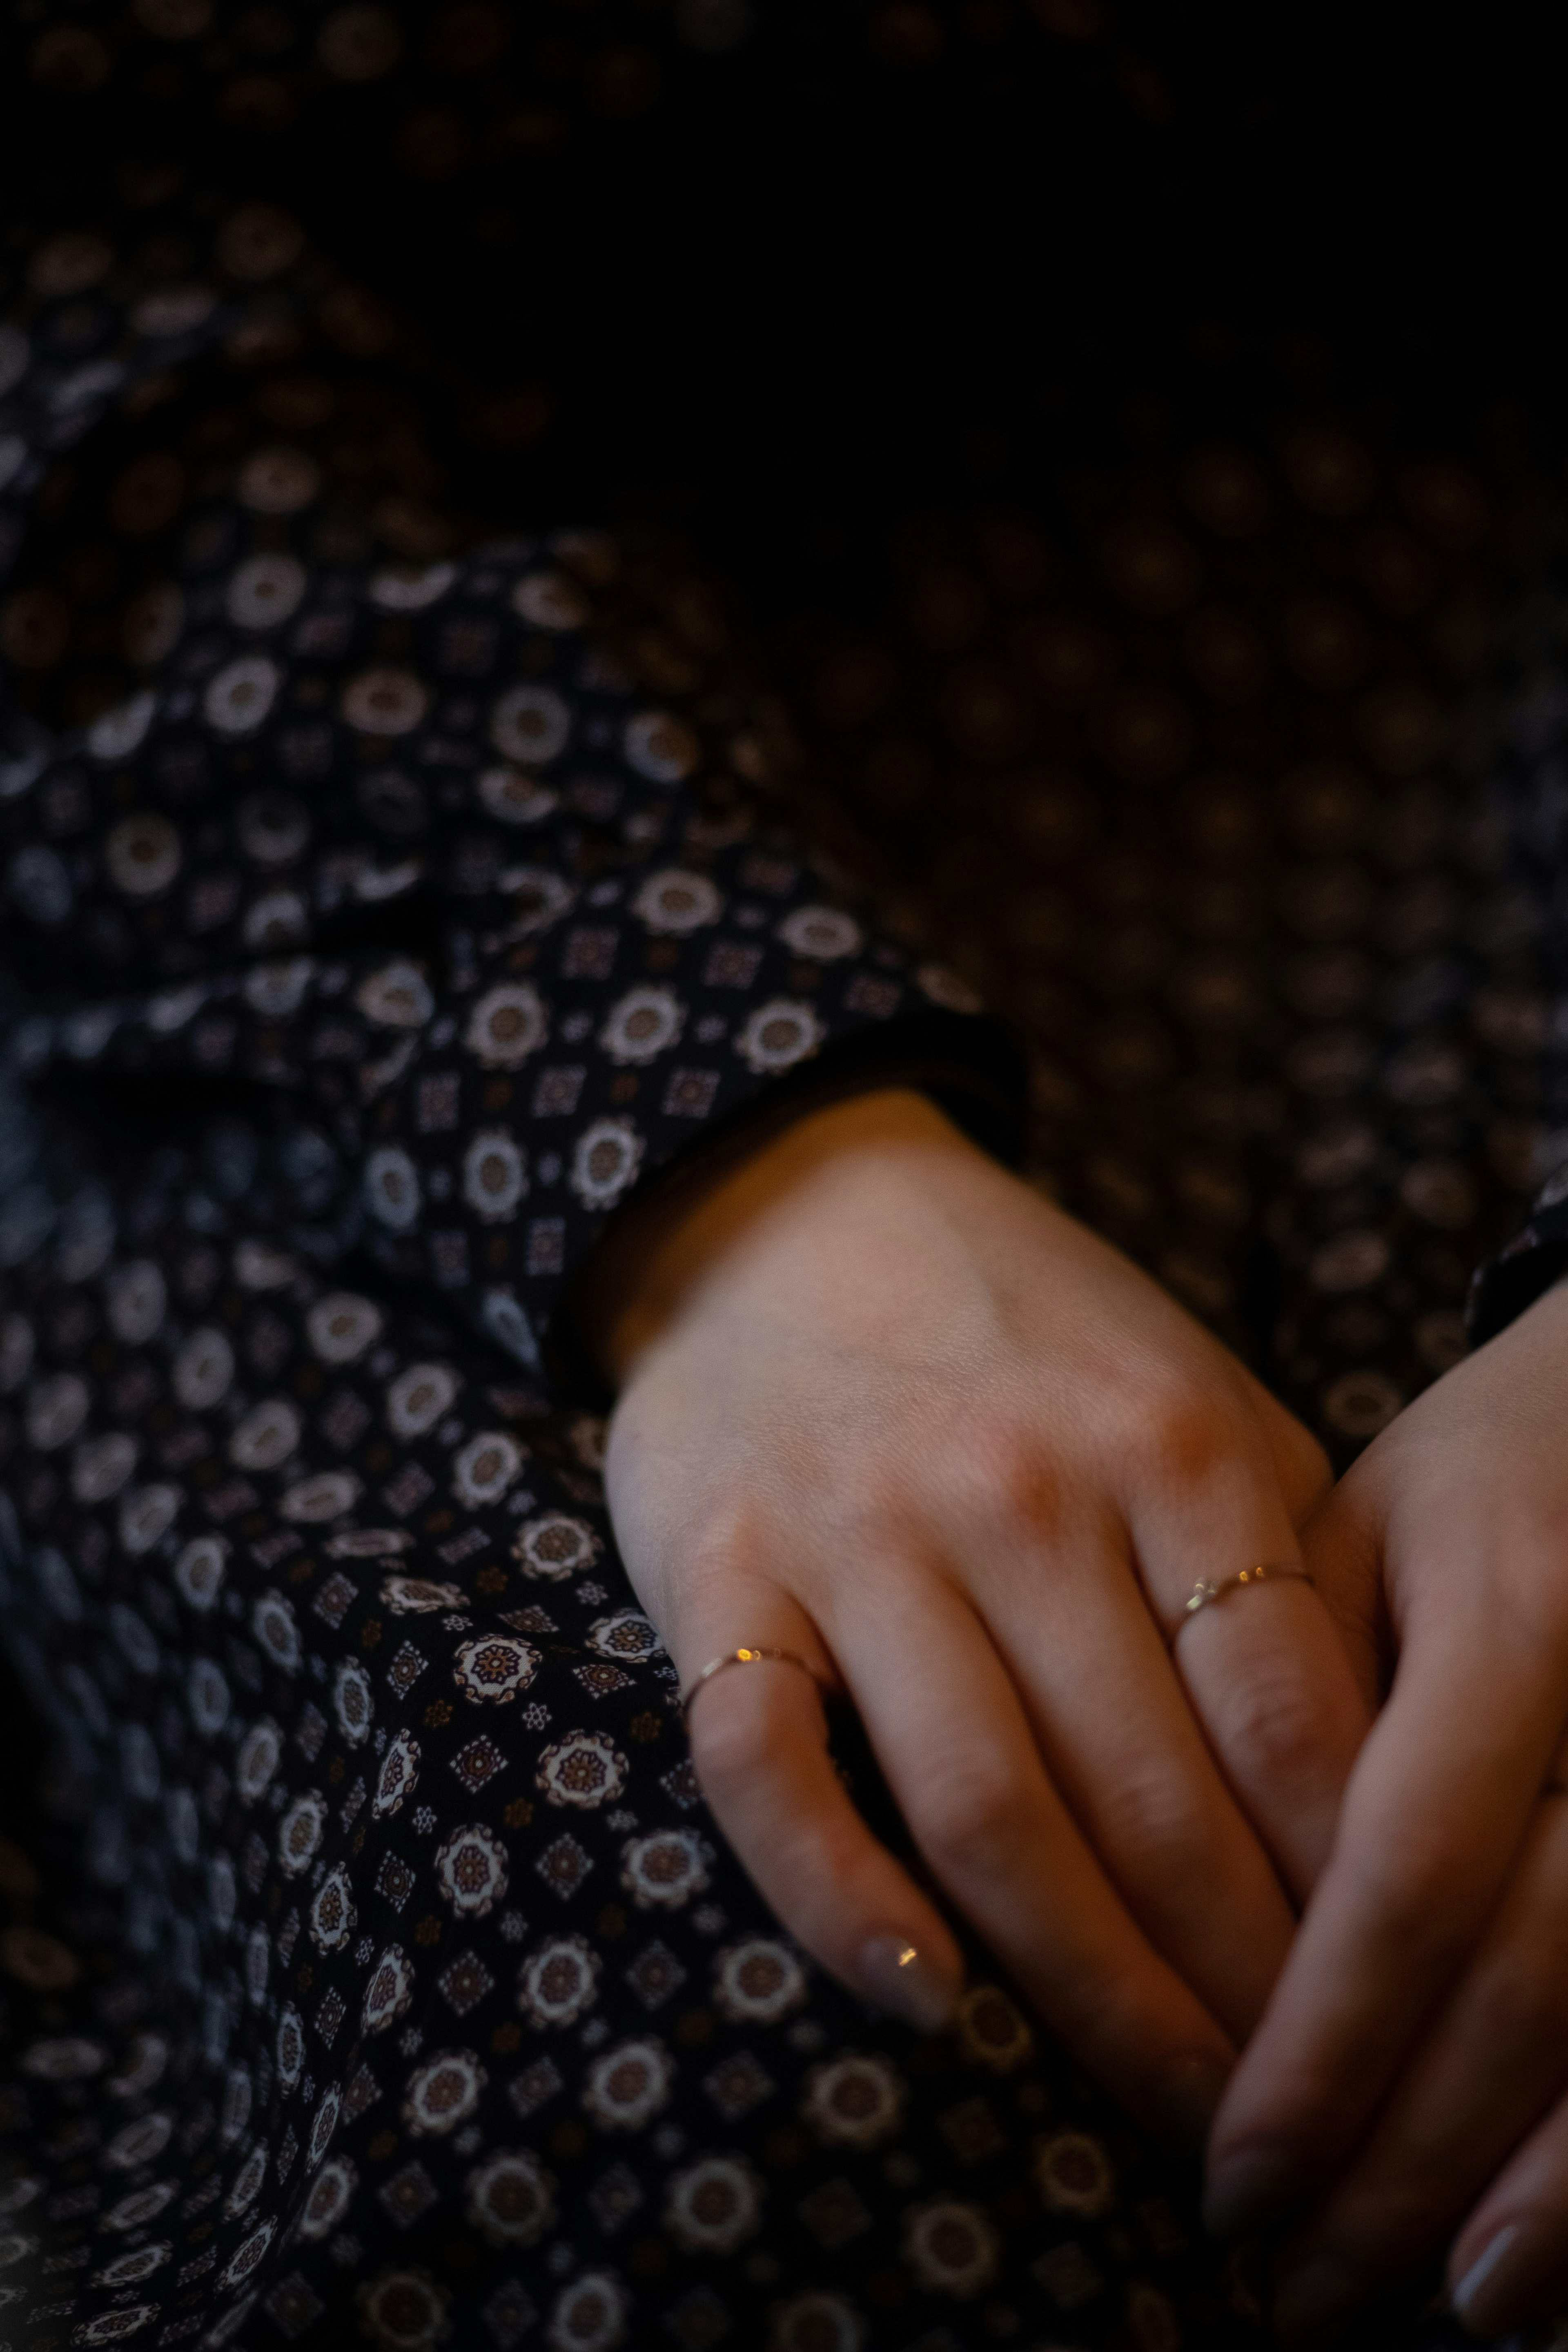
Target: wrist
[661, 1252]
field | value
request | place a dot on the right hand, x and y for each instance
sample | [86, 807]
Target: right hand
[883, 1406]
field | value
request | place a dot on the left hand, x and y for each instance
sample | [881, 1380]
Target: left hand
[1407, 2090]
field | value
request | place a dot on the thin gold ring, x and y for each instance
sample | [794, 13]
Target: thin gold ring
[753, 1657]
[1204, 1592]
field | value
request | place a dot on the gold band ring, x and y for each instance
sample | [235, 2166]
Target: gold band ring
[753, 1657]
[1205, 1593]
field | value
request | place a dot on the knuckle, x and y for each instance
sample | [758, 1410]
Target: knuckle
[1157, 1832]
[1274, 1734]
[1187, 1435]
[973, 1823]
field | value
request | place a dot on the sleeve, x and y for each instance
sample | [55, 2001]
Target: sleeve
[408, 850]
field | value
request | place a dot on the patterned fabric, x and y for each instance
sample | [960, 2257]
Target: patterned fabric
[386, 899]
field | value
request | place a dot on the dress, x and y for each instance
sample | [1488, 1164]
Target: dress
[372, 1964]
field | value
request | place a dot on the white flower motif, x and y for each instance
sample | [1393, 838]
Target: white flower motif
[268, 1435]
[67, 2058]
[278, 989]
[142, 854]
[326, 1495]
[495, 1668]
[369, 1543]
[550, 601]
[510, 2198]
[139, 2143]
[265, 589]
[410, 1596]
[397, 996]
[204, 1369]
[822, 933]
[816, 2323]
[442, 2092]
[248, 2180]
[259, 1754]
[556, 1984]
[678, 901]
[331, 2193]
[404, 2311]
[759, 1981]
[18, 1345]
[390, 1991]
[854, 2102]
[289, 2047]
[585, 1769]
[56, 1409]
[136, 1299]
[273, 1624]
[141, 1652]
[398, 1776]
[589, 2316]
[506, 1025]
[625, 1635]
[515, 798]
[485, 1467]
[341, 1326]
[505, 1318]
[301, 1831]
[418, 1397]
[495, 1175]
[539, 898]
[665, 1869]
[556, 1546]
[130, 2270]
[472, 1871]
[100, 1465]
[1074, 2175]
[324, 2123]
[408, 588]
[199, 1572]
[114, 2326]
[627, 2085]
[660, 747]
[147, 1514]
[714, 2205]
[248, 2257]
[778, 1035]
[206, 1693]
[240, 695]
[260, 1266]
[142, 2206]
[642, 1025]
[353, 1703]
[331, 1917]
[384, 703]
[277, 920]
[277, 481]
[391, 1188]
[606, 1158]
[118, 732]
[173, 311]
[951, 2247]
[531, 724]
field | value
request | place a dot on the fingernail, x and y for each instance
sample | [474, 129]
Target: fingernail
[1471, 2298]
[1311, 2304]
[899, 1977]
[1185, 2100]
[1245, 2192]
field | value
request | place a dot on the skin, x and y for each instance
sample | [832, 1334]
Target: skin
[885, 1407]
[1407, 2090]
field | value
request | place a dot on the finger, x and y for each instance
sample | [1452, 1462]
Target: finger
[949, 1732]
[759, 1744]
[1342, 1546]
[1120, 1743]
[1490, 2066]
[1262, 1664]
[1509, 2266]
[1432, 1819]
[1303, 1468]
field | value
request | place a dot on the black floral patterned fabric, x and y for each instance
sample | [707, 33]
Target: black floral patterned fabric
[389, 897]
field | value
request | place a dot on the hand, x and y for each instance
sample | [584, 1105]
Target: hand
[1409, 2081]
[885, 1407]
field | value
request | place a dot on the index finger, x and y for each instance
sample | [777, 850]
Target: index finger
[1435, 1810]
